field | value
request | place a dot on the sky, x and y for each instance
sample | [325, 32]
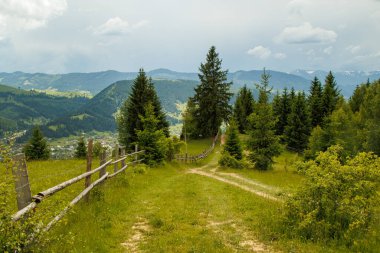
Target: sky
[61, 36]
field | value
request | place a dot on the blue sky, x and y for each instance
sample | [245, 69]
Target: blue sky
[59, 36]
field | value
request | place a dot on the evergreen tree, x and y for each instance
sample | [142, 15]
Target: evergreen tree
[315, 103]
[330, 95]
[81, 150]
[212, 96]
[243, 108]
[281, 109]
[297, 131]
[128, 119]
[233, 145]
[189, 126]
[36, 148]
[151, 139]
[356, 100]
[263, 143]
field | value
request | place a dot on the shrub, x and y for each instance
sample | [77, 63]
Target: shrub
[338, 199]
[81, 150]
[229, 161]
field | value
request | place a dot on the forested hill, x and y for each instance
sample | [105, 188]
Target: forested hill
[97, 81]
[98, 114]
[20, 109]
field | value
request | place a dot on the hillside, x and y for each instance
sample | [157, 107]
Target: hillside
[21, 109]
[98, 113]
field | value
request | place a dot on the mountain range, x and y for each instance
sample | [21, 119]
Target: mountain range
[97, 81]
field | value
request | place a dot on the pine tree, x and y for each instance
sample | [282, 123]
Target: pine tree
[81, 150]
[244, 106]
[36, 148]
[330, 95]
[189, 126]
[356, 100]
[315, 103]
[233, 145]
[263, 143]
[281, 109]
[212, 96]
[151, 139]
[297, 131]
[128, 119]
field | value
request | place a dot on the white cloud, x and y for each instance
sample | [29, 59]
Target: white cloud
[328, 50]
[280, 56]
[260, 52]
[117, 26]
[353, 49]
[30, 14]
[306, 33]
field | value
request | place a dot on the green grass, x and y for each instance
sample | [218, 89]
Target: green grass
[195, 147]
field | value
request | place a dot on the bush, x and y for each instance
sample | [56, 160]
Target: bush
[338, 199]
[229, 161]
[139, 169]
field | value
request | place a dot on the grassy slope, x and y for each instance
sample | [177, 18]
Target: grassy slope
[182, 212]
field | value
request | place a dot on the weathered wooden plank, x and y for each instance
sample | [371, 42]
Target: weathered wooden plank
[22, 187]
[87, 182]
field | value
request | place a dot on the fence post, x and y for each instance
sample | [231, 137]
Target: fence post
[88, 168]
[122, 155]
[103, 157]
[116, 157]
[20, 174]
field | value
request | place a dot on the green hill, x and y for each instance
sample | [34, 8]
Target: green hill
[99, 113]
[20, 109]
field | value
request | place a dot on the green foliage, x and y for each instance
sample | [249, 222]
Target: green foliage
[316, 103]
[228, 161]
[330, 95]
[81, 149]
[37, 148]
[244, 106]
[151, 139]
[98, 149]
[357, 98]
[263, 143]
[298, 129]
[337, 201]
[189, 126]
[129, 120]
[174, 145]
[281, 109]
[233, 144]
[212, 96]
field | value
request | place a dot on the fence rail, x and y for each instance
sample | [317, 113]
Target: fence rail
[194, 158]
[29, 203]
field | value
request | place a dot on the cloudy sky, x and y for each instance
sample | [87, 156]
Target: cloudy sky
[59, 36]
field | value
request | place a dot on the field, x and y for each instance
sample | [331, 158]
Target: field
[174, 208]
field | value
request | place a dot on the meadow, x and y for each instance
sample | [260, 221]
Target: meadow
[168, 209]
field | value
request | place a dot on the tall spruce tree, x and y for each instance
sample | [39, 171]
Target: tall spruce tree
[281, 109]
[233, 144]
[128, 119]
[263, 143]
[243, 107]
[297, 131]
[316, 103]
[212, 96]
[152, 138]
[330, 95]
[36, 148]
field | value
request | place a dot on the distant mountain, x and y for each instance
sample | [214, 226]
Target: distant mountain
[98, 114]
[97, 81]
[346, 80]
[20, 109]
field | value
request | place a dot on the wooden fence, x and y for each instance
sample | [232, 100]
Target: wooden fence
[26, 202]
[194, 158]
